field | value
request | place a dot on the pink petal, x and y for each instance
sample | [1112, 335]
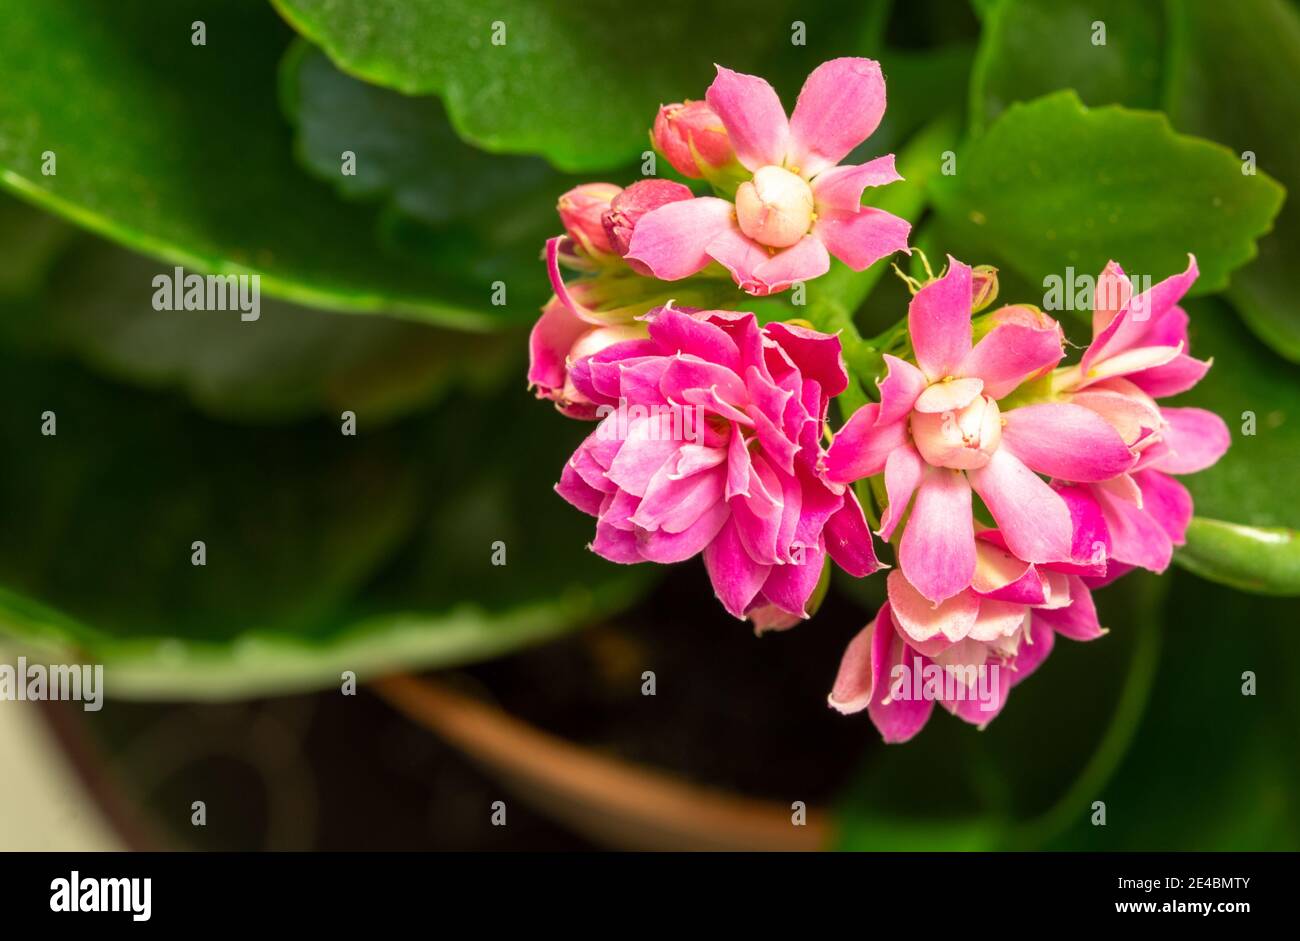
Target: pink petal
[1128, 329]
[1090, 547]
[848, 540]
[861, 446]
[938, 319]
[752, 114]
[841, 187]
[790, 586]
[1196, 439]
[649, 443]
[899, 390]
[804, 260]
[903, 471]
[937, 553]
[678, 332]
[578, 492]
[861, 238]
[1066, 441]
[818, 355]
[758, 517]
[1136, 538]
[1110, 296]
[674, 503]
[549, 343]
[1177, 375]
[615, 545]
[736, 577]
[740, 255]
[930, 628]
[948, 396]
[1077, 621]
[840, 105]
[864, 680]
[1033, 519]
[1167, 502]
[1001, 576]
[688, 372]
[855, 681]
[671, 240]
[1009, 354]
[663, 546]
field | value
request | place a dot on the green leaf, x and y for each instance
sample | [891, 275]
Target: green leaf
[577, 82]
[1053, 184]
[1233, 81]
[1031, 47]
[32, 241]
[180, 151]
[289, 363]
[324, 552]
[1261, 560]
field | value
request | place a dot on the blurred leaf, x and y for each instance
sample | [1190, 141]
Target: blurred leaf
[181, 152]
[1251, 558]
[324, 552]
[577, 82]
[1209, 769]
[290, 363]
[31, 242]
[1031, 47]
[1234, 81]
[1053, 184]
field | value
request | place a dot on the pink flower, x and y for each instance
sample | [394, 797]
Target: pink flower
[1138, 354]
[581, 210]
[710, 443]
[799, 207]
[693, 139]
[887, 670]
[938, 432]
[629, 206]
[561, 337]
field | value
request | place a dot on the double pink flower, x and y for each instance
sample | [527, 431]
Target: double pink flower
[710, 442]
[798, 207]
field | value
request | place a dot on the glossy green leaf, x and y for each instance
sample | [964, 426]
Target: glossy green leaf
[577, 82]
[323, 551]
[181, 151]
[1234, 81]
[1107, 51]
[1053, 184]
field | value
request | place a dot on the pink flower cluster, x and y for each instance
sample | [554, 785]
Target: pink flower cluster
[1075, 477]
[1010, 485]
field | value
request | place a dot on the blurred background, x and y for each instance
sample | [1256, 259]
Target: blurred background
[132, 141]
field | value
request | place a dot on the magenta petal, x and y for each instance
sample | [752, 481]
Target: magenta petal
[898, 719]
[674, 503]
[736, 577]
[804, 260]
[855, 681]
[1033, 519]
[671, 240]
[1136, 538]
[818, 355]
[1196, 439]
[554, 334]
[688, 372]
[937, 554]
[861, 238]
[1129, 329]
[1167, 502]
[752, 114]
[1077, 620]
[578, 492]
[1066, 441]
[899, 390]
[848, 539]
[663, 546]
[1178, 375]
[1034, 650]
[615, 545]
[740, 255]
[862, 445]
[678, 332]
[790, 586]
[1090, 547]
[1009, 354]
[938, 319]
[903, 471]
[840, 105]
[841, 187]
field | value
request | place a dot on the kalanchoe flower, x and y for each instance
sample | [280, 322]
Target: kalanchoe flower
[1138, 354]
[938, 432]
[798, 208]
[710, 443]
[627, 208]
[581, 210]
[693, 139]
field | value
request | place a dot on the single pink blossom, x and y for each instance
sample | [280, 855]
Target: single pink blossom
[693, 139]
[1138, 354]
[976, 645]
[710, 443]
[798, 208]
[581, 210]
[938, 432]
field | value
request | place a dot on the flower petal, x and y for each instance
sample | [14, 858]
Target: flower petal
[899, 390]
[1033, 519]
[937, 553]
[1066, 441]
[1196, 438]
[948, 396]
[930, 628]
[862, 237]
[804, 260]
[1078, 620]
[903, 471]
[842, 187]
[848, 539]
[736, 577]
[840, 105]
[862, 445]
[938, 320]
[671, 240]
[1009, 354]
[752, 114]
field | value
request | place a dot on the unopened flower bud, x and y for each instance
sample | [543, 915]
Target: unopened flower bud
[775, 208]
[692, 138]
[984, 287]
[581, 209]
